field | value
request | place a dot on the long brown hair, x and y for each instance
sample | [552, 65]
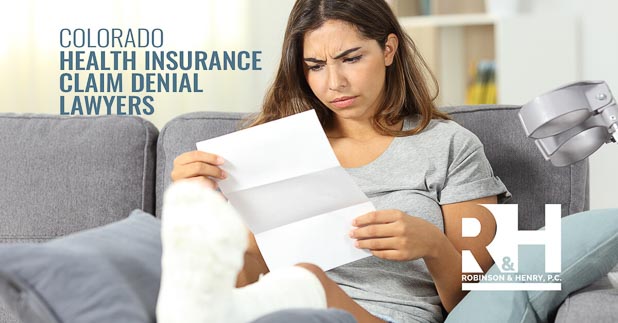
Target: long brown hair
[406, 91]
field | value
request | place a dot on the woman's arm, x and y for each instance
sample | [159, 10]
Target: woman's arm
[445, 264]
[394, 235]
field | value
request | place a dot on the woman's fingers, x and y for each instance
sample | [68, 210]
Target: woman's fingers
[198, 156]
[391, 248]
[198, 164]
[377, 217]
[198, 169]
[374, 231]
[377, 244]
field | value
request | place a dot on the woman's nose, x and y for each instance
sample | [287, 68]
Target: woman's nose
[336, 80]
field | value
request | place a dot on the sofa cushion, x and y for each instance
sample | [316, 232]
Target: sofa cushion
[590, 306]
[64, 174]
[589, 252]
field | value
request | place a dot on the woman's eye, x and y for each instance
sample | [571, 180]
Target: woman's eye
[315, 67]
[353, 59]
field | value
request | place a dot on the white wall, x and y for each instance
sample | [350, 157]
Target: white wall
[598, 52]
[600, 62]
[266, 28]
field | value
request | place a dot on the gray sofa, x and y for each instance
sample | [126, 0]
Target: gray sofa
[63, 175]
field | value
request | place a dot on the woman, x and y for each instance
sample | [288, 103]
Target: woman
[352, 63]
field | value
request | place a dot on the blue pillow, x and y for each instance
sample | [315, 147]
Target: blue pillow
[589, 251]
[106, 274]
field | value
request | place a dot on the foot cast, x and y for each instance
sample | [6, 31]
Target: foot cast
[204, 241]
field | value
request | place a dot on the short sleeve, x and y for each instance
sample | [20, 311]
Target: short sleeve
[469, 174]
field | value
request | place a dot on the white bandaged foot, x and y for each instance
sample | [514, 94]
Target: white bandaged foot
[285, 288]
[204, 241]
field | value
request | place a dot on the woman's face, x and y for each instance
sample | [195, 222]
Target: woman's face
[345, 71]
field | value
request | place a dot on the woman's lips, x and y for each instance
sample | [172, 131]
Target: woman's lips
[343, 102]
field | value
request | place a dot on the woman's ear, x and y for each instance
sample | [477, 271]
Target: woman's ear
[390, 48]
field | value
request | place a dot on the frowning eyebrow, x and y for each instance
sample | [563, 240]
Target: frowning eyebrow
[342, 54]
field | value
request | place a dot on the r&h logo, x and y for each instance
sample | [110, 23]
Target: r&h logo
[504, 251]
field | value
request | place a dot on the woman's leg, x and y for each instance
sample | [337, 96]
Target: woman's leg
[254, 264]
[337, 298]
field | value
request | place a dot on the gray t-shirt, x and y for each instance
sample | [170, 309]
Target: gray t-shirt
[416, 174]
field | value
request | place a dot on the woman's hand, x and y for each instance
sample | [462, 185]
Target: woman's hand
[198, 165]
[394, 235]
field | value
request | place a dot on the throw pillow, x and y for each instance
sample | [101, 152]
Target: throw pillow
[105, 274]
